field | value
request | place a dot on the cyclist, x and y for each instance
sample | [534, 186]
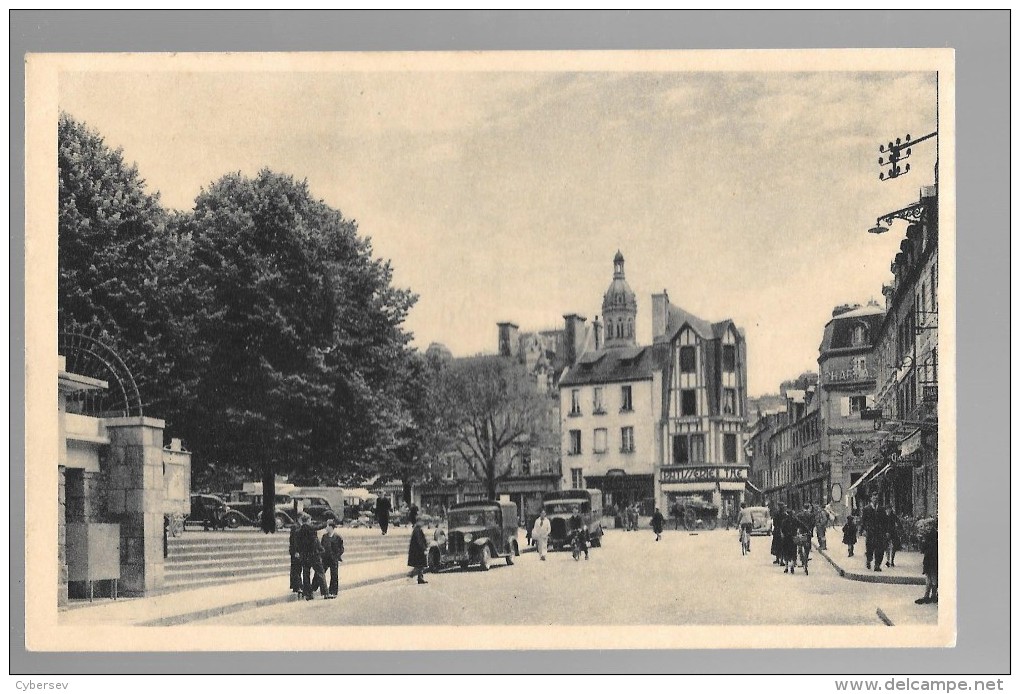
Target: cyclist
[745, 522]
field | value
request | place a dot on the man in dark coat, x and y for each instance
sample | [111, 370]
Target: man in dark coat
[657, 523]
[874, 524]
[382, 513]
[332, 555]
[417, 552]
[295, 561]
[310, 552]
[412, 514]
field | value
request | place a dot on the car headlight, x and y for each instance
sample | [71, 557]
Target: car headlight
[468, 537]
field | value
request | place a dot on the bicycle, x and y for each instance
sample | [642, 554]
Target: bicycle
[745, 541]
[803, 543]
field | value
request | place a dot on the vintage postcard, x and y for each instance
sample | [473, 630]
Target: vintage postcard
[524, 350]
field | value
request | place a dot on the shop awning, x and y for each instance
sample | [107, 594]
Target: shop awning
[753, 488]
[869, 474]
[911, 444]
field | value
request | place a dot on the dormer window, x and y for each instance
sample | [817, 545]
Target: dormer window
[859, 335]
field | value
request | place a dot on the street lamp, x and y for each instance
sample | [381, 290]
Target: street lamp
[910, 213]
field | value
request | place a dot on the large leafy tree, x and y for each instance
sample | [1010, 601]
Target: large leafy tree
[491, 407]
[123, 267]
[300, 329]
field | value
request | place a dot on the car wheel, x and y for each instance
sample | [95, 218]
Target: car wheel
[434, 561]
[485, 558]
[233, 521]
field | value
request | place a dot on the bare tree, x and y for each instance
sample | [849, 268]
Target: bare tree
[491, 407]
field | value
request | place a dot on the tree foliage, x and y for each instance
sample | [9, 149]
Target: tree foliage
[490, 407]
[267, 335]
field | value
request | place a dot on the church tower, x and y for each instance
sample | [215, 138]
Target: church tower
[619, 308]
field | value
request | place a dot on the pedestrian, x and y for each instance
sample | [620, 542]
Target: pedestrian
[892, 532]
[821, 525]
[382, 513]
[930, 562]
[310, 552]
[776, 549]
[850, 535]
[873, 523]
[633, 513]
[295, 561]
[417, 553]
[412, 514]
[332, 555]
[797, 532]
[677, 512]
[657, 523]
[540, 534]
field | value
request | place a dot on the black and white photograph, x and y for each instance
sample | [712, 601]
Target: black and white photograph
[491, 350]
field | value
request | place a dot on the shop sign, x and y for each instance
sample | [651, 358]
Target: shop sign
[702, 474]
[851, 373]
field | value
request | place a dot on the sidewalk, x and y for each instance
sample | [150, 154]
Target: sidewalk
[185, 606]
[906, 571]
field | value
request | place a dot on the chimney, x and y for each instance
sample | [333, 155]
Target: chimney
[509, 340]
[597, 327]
[573, 336]
[844, 308]
[660, 315]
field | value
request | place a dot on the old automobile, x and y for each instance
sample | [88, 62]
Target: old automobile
[317, 507]
[478, 533]
[568, 507]
[761, 520]
[212, 512]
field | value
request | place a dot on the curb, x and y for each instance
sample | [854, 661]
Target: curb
[871, 577]
[208, 613]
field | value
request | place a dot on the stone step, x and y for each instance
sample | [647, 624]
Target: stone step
[181, 581]
[212, 563]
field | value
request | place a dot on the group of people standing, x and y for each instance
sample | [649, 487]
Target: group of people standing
[792, 530]
[881, 530]
[311, 558]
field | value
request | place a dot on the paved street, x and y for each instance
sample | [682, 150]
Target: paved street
[685, 579]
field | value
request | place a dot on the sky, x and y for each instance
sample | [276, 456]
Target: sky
[503, 196]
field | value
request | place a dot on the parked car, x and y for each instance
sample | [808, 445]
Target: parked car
[478, 532]
[561, 506]
[318, 508]
[212, 511]
[247, 509]
[762, 520]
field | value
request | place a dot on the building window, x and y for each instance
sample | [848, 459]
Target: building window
[729, 401]
[688, 403]
[687, 359]
[575, 402]
[858, 403]
[597, 402]
[575, 442]
[600, 441]
[626, 401]
[730, 448]
[525, 461]
[858, 336]
[688, 449]
[627, 439]
[729, 358]
[576, 478]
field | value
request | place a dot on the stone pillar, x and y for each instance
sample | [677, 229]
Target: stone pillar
[61, 540]
[133, 471]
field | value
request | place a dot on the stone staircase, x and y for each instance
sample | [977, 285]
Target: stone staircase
[197, 559]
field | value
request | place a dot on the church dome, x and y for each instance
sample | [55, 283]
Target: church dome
[619, 295]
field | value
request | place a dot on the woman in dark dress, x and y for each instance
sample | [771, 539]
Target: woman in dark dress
[417, 552]
[850, 535]
[777, 535]
[930, 564]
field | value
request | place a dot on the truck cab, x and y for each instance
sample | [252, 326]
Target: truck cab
[562, 506]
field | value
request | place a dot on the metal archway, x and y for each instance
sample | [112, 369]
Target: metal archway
[87, 356]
